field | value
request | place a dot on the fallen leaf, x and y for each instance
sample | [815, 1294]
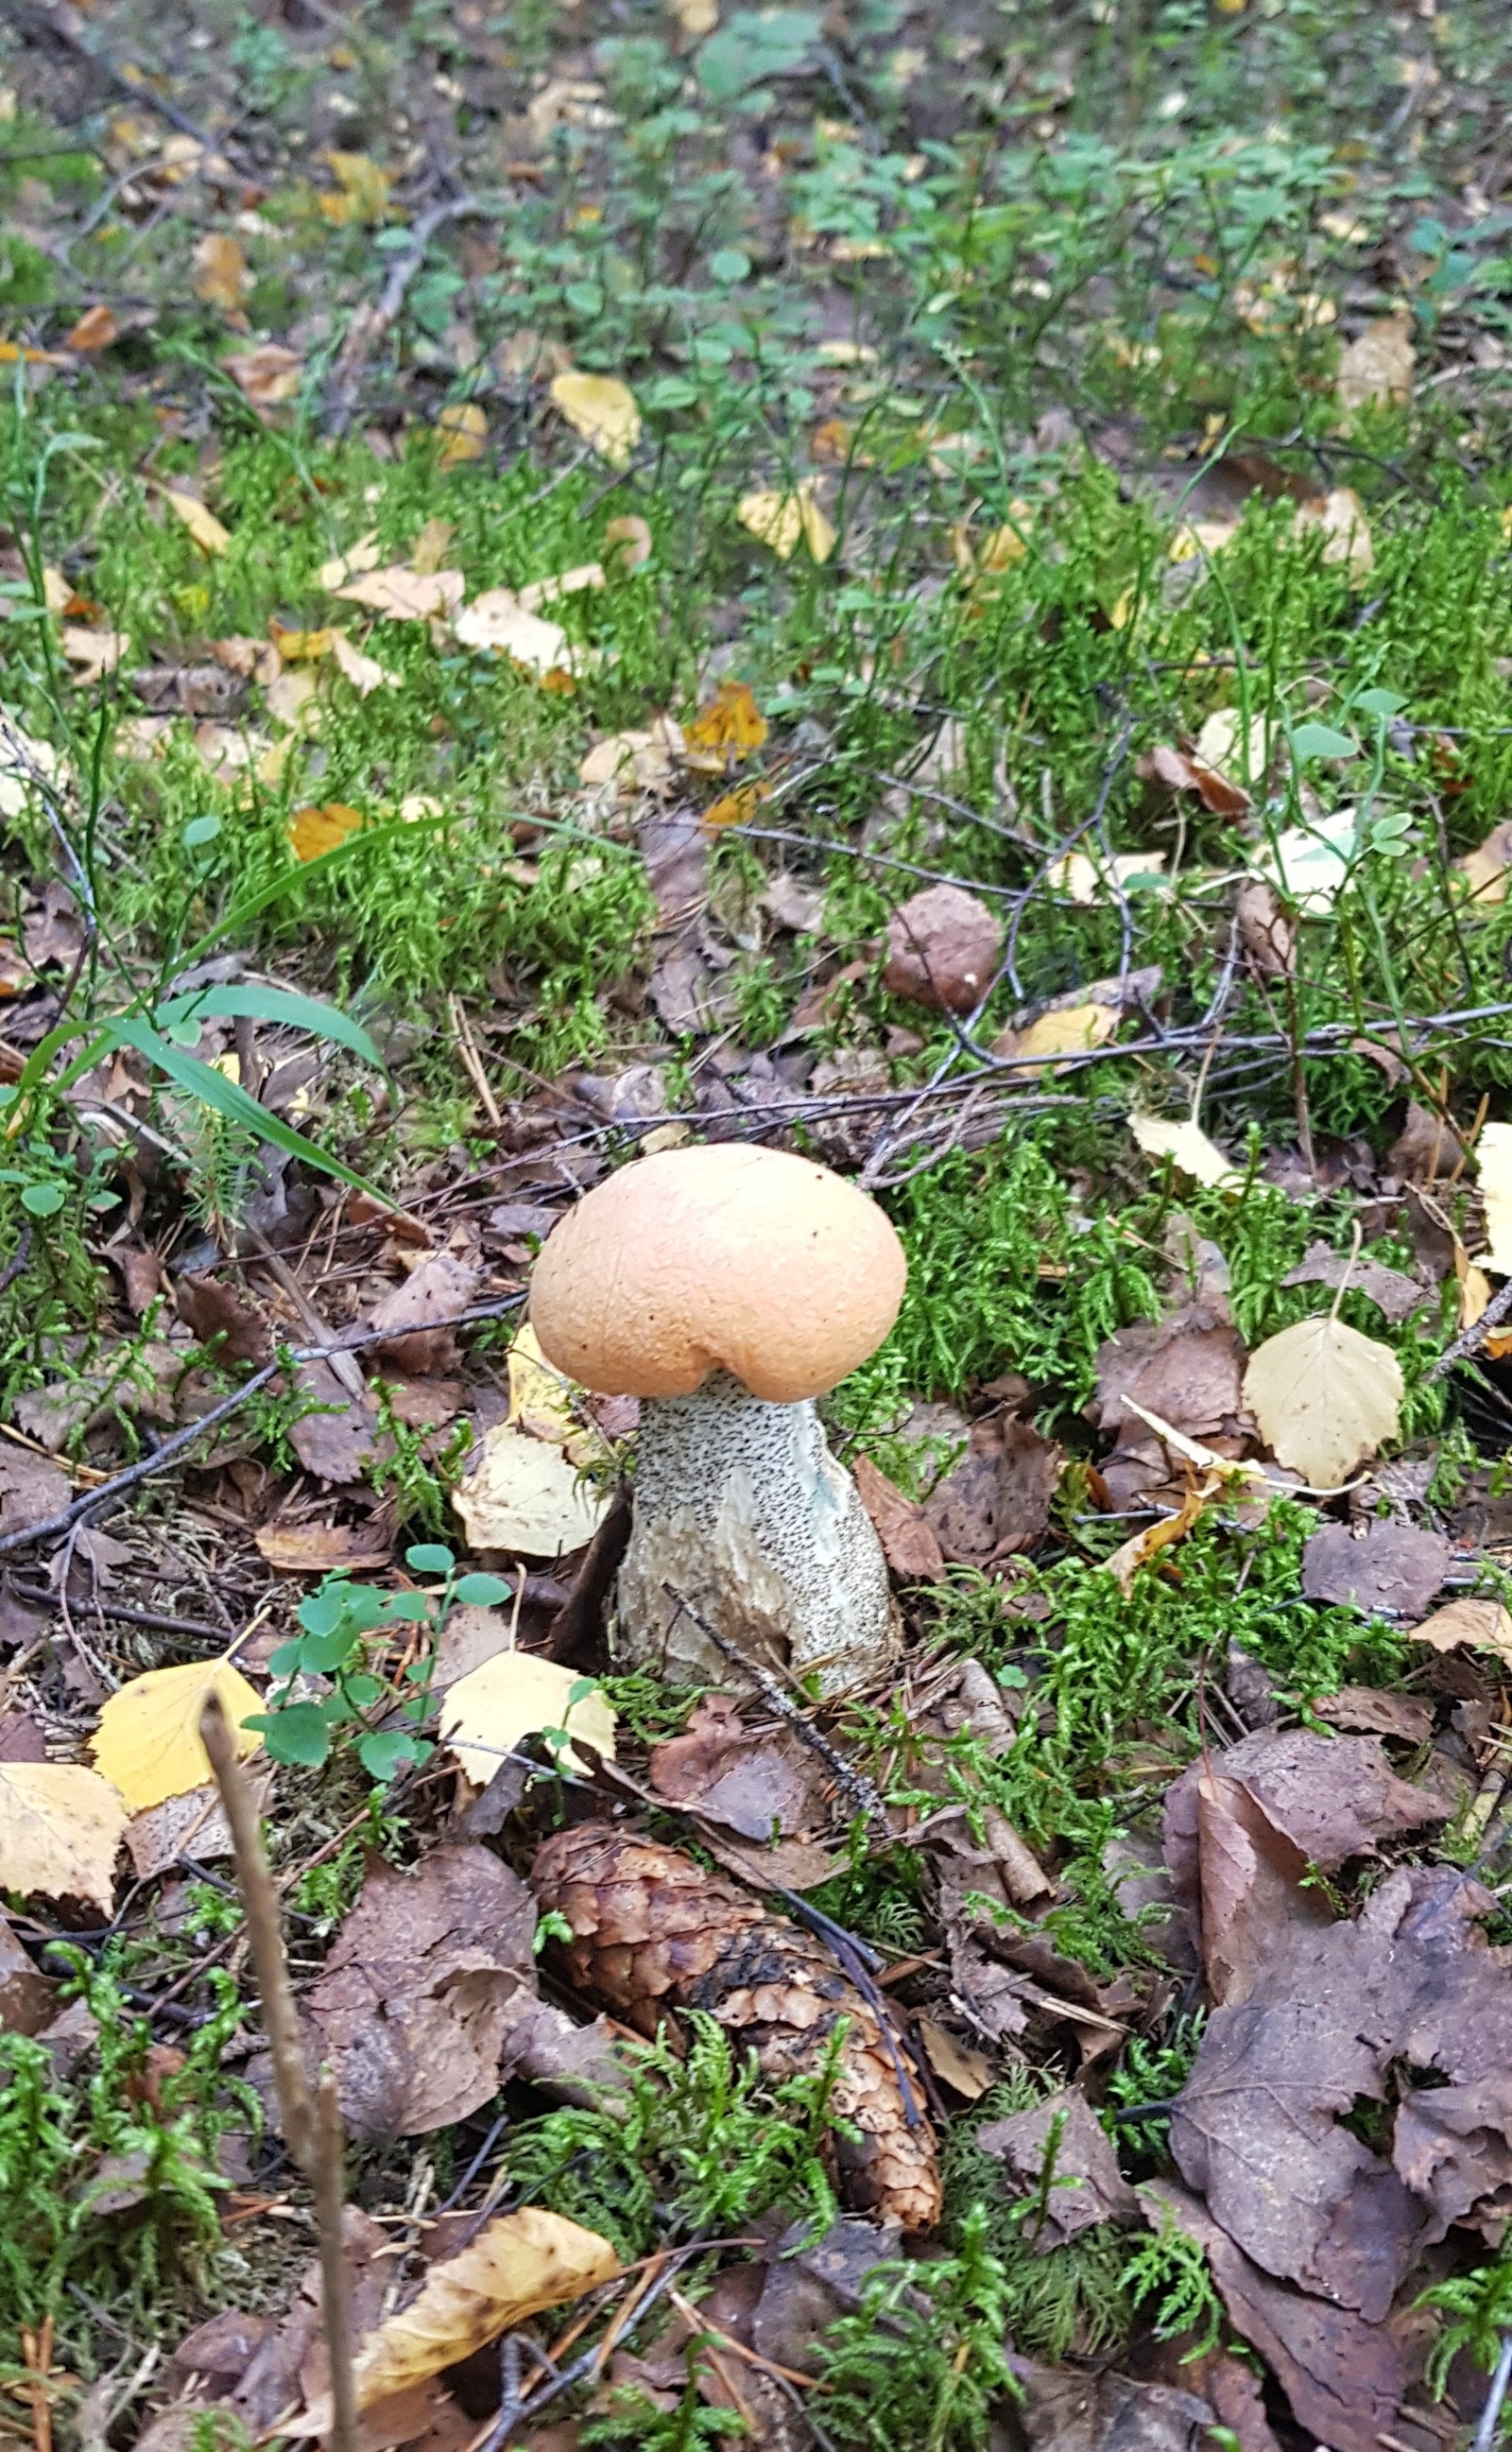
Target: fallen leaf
[1088, 2187]
[364, 555]
[1186, 1370]
[965, 2070]
[193, 1825]
[1371, 1712]
[254, 659]
[545, 1402]
[583, 576]
[1267, 931]
[943, 948]
[736, 809]
[1468, 1625]
[763, 1782]
[339, 1438]
[222, 275]
[1310, 862]
[602, 410]
[1124, 1562]
[1384, 1567]
[148, 1745]
[1240, 753]
[1341, 516]
[95, 652]
[519, 2266]
[31, 1488]
[201, 524]
[634, 762]
[312, 831]
[422, 1983]
[727, 726]
[519, 1695]
[1331, 1798]
[1325, 1398]
[60, 1828]
[463, 428]
[696, 17]
[1486, 866]
[1376, 367]
[1395, 1296]
[293, 700]
[268, 375]
[524, 1496]
[499, 620]
[1060, 1030]
[995, 1500]
[28, 2001]
[95, 329]
[1181, 773]
[362, 192]
[628, 541]
[364, 672]
[1063, 2411]
[1187, 1147]
[221, 1316]
[1087, 881]
[400, 594]
[785, 520]
[1493, 1153]
[908, 1544]
[418, 1314]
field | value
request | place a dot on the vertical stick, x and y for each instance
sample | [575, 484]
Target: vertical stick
[312, 2128]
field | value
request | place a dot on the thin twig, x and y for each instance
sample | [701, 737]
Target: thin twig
[1472, 1339]
[312, 2128]
[1485, 2434]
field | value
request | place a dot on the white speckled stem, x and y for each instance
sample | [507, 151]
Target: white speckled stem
[740, 1507]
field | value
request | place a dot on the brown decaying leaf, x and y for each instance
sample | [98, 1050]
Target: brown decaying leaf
[652, 1931]
[1468, 1625]
[757, 1780]
[1267, 931]
[908, 1544]
[95, 329]
[995, 1501]
[1375, 1712]
[1089, 2186]
[1187, 1368]
[268, 375]
[942, 949]
[1377, 366]
[31, 1488]
[1063, 2411]
[1395, 1296]
[221, 1316]
[327, 1549]
[28, 2001]
[1332, 1798]
[1181, 772]
[424, 1981]
[418, 1313]
[1385, 1566]
[338, 1440]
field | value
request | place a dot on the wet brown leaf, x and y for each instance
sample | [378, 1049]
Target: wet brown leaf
[1267, 931]
[1187, 1369]
[995, 1501]
[1088, 2187]
[418, 1313]
[1066, 2412]
[757, 1781]
[1395, 1296]
[221, 1315]
[1370, 1712]
[28, 2001]
[1181, 772]
[942, 949]
[908, 1543]
[1394, 1569]
[336, 1442]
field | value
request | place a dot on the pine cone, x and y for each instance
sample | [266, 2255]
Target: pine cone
[653, 1931]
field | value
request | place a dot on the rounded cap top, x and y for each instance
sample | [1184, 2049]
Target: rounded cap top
[717, 1258]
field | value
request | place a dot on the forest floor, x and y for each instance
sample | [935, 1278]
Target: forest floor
[928, 587]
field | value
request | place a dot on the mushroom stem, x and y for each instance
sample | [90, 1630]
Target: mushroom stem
[740, 1507]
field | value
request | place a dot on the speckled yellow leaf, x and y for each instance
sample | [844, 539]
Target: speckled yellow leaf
[60, 1827]
[602, 410]
[147, 1744]
[463, 428]
[1325, 1398]
[515, 1696]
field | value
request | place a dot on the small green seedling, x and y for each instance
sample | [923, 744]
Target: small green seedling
[338, 1622]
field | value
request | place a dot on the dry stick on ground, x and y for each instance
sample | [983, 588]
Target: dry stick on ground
[312, 2122]
[1471, 1339]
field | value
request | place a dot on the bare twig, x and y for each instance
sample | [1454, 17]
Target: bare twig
[1472, 1339]
[1486, 2433]
[312, 2128]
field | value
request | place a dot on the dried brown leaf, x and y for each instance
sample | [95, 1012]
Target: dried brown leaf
[1384, 1567]
[908, 1544]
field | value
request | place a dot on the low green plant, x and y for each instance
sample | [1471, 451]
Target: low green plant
[924, 2360]
[1167, 2273]
[694, 2146]
[1479, 2308]
[340, 1622]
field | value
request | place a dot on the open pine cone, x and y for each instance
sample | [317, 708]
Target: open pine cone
[653, 1931]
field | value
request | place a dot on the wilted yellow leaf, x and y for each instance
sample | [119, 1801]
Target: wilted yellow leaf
[364, 555]
[148, 1745]
[221, 274]
[1188, 1146]
[540, 1396]
[403, 593]
[602, 410]
[1151, 1539]
[299, 646]
[1483, 1625]
[1376, 368]
[523, 1496]
[735, 808]
[312, 831]
[269, 374]
[95, 329]
[201, 524]
[362, 194]
[1066, 1030]
[431, 545]
[498, 620]
[628, 541]
[696, 17]
[1492, 1156]
[1325, 1398]
[728, 725]
[515, 1696]
[463, 428]
[364, 672]
[519, 2266]
[60, 1827]
[784, 521]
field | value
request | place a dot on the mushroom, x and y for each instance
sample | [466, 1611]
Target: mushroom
[727, 1286]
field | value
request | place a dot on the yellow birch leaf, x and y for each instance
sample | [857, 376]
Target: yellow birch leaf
[1066, 1030]
[523, 1496]
[147, 1744]
[728, 725]
[312, 831]
[60, 1827]
[1188, 1146]
[1325, 1398]
[1483, 1625]
[222, 277]
[515, 1696]
[1493, 1156]
[518, 2267]
[785, 520]
[602, 410]
[498, 620]
[463, 428]
[735, 808]
[363, 193]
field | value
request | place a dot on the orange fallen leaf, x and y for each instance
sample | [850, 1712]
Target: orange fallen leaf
[95, 329]
[738, 807]
[361, 191]
[222, 277]
[728, 725]
[312, 831]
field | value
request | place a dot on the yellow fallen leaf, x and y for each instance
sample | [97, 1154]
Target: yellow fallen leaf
[95, 329]
[541, 1401]
[60, 1827]
[537, 592]
[523, 1496]
[1376, 368]
[696, 17]
[201, 524]
[728, 725]
[431, 545]
[1481, 1624]
[1239, 753]
[402, 594]
[634, 762]
[519, 1695]
[518, 2267]
[463, 428]
[735, 808]
[362, 192]
[268, 375]
[1066, 1030]
[1089, 880]
[1325, 1398]
[1140, 1547]
[364, 672]
[602, 410]
[299, 646]
[1202, 536]
[785, 520]
[364, 555]
[221, 275]
[147, 1744]
[1492, 1153]
[1189, 1147]
[312, 831]
[292, 700]
[498, 620]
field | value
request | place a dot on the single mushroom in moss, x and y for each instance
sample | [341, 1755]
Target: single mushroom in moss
[727, 1286]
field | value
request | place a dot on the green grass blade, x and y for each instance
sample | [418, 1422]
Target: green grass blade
[274, 1004]
[229, 1099]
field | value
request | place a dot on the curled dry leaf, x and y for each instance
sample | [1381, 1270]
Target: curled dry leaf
[95, 329]
[1468, 1625]
[148, 1745]
[942, 948]
[1187, 1147]
[1325, 1398]
[1060, 1030]
[1267, 933]
[222, 275]
[601, 409]
[757, 1780]
[519, 1694]
[267, 375]
[786, 521]
[634, 762]
[1375, 369]
[910, 1545]
[518, 2267]
[1182, 772]
[498, 620]
[60, 1828]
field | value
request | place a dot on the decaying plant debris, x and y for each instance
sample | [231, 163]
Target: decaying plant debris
[875, 646]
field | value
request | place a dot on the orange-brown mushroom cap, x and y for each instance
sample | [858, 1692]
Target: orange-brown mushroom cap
[717, 1258]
